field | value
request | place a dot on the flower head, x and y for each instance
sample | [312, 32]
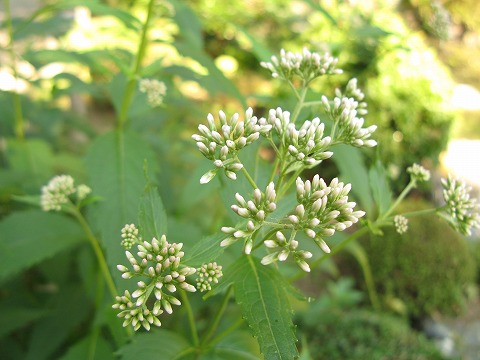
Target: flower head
[461, 210]
[130, 236]
[306, 65]
[418, 173]
[155, 90]
[401, 224]
[56, 193]
[222, 144]
[208, 274]
[159, 264]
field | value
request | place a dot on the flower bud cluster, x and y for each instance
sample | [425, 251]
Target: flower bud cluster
[160, 263]
[348, 128]
[352, 91]
[323, 209]
[208, 274]
[401, 224]
[155, 90]
[130, 236]
[58, 191]
[255, 211]
[462, 210]
[221, 145]
[283, 248]
[306, 65]
[306, 146]
[418, 173]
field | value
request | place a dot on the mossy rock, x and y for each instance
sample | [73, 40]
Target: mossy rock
[360, 335]
[427, 269]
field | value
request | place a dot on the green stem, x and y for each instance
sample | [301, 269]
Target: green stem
[216, 320]
[247, 175]
[422, 212]
[98, 252]
[137, 66]
[227, 331]
[19, 127]
[400, 198]
[292, 179]
[191, 319]
[299, 106]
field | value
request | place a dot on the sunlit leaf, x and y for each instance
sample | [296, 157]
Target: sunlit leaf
[28, 237]
[265, 306]
[160, 344]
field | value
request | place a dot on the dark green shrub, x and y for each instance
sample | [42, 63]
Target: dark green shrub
[427, 269]
[366, 335]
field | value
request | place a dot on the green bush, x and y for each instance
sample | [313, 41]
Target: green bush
[363, 335]
[427, 269]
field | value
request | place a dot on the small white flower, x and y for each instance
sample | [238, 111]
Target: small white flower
[155, 90]
[208, 274]
[418, 173]
[401, 224]
[57, 192]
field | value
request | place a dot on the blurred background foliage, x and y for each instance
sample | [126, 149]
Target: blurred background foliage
[71, 59]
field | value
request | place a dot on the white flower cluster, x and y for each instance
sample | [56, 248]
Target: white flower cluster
[160, 263]
[306, 65]
[208, 274]
[58, 191]
[256, 211]
[130, 236]
[306, 147]
[401, 224]
[462, 211]
[155, 90]
[222, 145]
[323, 209]
[348, 128]
[418, 173]
[283, 248]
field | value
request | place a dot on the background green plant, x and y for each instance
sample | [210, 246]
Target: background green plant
[90, 120]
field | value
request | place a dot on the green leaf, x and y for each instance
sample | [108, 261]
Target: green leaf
[115, 167]
[206, 250]
[92, 347]
[29, 237]
[380, 188]
[265, 306]
[239, 345]
[152, 218]
[159, 344]
[261, 51]
[353, 170]
[13, 318]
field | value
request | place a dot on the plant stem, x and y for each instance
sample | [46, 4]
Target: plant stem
[191, 319]
[247, 175]
[19, 127]
[98, 252]
[421, 212]
[227, 331]
[216, 320]
[299, 106]
[137, 66]
[400, 198]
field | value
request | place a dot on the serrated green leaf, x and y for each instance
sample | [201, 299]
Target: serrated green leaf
[152, 218]
[353, 170]
[115, 167]
[380, 188]
[12, 318]
[160, 344]
[206, 250]
[29, 237]
[265, 306]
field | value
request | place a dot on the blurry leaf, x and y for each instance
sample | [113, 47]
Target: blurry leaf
[69, 309]
[13, 318]
[188, 24]
[380, 188]
[322, 10]
[29, 237]
[265, 306]
[368, 31]
[239, 345]
[92, 347]
[349, 161]
[115, 166]
[152, 218]
[193, 192]
[159, 344]
[32, 160]
[261, 52]
[204, 251]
